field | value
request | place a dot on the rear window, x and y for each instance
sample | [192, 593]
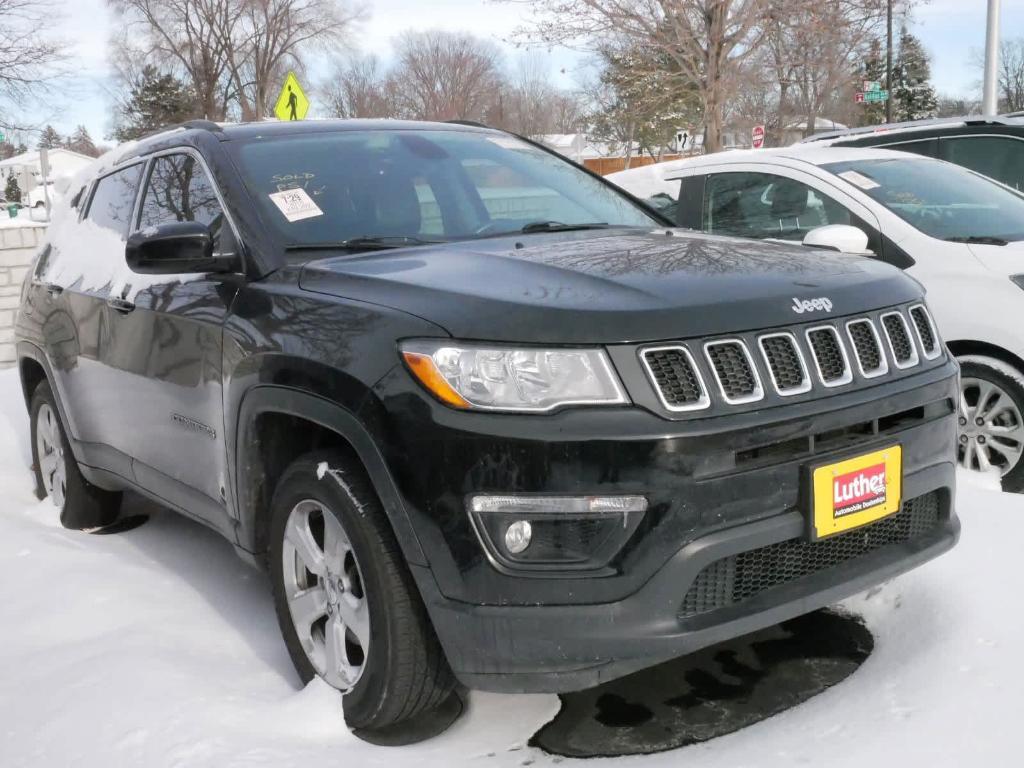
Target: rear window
[436, 185]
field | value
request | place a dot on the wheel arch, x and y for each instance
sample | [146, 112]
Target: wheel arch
[276, 425]
[966, 347]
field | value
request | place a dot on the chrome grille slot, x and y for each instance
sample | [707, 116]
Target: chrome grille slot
[829, 356]
[676, 378]
[867, 348]
[734, 370]
[926, 334]
[785, 363]
[904, 353]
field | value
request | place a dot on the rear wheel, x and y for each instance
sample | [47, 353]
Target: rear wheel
[346, 602]
[82, 505]
[991, 420]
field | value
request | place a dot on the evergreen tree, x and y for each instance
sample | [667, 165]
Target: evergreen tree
[873, 70]
[80, 141]
[12, 191]
[155, 101]
[913, 95]
[22, 148]
[49, 138]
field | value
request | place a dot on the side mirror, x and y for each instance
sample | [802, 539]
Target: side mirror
[181, 247]
[838, 237]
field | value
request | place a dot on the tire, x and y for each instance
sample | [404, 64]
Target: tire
[403, 670]
[82, 505]
[1002, 416]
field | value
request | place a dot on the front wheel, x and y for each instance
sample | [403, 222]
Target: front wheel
[991, 420]
[345, 600]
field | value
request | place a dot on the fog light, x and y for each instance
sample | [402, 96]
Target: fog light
[518, 536]
[534, 532]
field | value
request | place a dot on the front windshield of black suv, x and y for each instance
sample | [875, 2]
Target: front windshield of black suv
[401, 187]
[942, 200]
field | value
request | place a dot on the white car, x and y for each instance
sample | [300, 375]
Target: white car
[959, 233]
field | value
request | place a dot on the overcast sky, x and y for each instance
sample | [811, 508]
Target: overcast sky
[950, 29]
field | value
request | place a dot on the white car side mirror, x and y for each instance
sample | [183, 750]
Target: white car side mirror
[838, 237]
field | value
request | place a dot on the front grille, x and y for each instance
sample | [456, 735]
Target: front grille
[676, 377]
[925, 332]
[828, 355]
[866, 347]
[900, 345]
[784, 362]
[733, 368]
[734, 579]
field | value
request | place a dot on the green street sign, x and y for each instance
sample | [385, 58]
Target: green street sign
[872, 85]
[873, 96]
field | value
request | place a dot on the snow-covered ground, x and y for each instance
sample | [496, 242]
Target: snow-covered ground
[158, 647]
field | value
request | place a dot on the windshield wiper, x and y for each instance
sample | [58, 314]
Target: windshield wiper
[557, 226]
[364, 243]
[978, 240]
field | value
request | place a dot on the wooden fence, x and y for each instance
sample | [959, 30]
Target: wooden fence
[606, 165]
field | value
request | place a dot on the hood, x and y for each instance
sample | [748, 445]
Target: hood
[610, 286]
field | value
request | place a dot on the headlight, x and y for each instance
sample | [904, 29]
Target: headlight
[499, 378]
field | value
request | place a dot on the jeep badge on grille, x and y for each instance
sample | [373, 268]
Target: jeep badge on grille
[812, 305]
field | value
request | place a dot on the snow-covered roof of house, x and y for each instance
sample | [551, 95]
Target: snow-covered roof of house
[31, 158]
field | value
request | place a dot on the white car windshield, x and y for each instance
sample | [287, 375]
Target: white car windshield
[942, 200]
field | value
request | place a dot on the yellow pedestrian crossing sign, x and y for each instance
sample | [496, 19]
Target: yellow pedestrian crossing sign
[292, 104]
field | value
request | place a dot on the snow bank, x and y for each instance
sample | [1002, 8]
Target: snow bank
[158, 647]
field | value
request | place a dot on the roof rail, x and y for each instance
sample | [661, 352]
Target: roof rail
[470, 123]
[907, 126]
[203, 125]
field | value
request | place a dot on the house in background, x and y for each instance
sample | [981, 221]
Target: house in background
[64, 163]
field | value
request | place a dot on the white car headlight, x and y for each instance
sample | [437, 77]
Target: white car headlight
[500, 378]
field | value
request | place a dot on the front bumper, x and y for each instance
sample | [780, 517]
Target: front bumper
[564, 648]
[562, 632]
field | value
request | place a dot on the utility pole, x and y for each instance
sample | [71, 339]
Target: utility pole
[989, 99]
[888, 59]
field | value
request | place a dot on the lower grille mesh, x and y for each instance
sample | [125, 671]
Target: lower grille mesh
[736, 578]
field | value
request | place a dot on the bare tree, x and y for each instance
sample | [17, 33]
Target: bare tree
[190, 37]
[446, 75]
[707, 41]
[271, 35]
[1010, 73]
[359, 87]
[231, 52]
[30, 59]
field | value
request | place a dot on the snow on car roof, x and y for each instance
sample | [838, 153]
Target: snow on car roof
[813, 154]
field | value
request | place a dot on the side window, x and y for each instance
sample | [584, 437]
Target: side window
[924, 147]
[999, 157]
[114, 200]
[179, 190]
[762, 205]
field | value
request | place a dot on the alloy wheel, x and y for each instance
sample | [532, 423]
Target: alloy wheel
[50, 454]
[325, 593]
[991, 427]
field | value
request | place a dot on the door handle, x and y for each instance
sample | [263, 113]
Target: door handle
[121, 305]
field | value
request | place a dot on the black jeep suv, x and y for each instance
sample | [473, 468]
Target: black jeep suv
[483, 417]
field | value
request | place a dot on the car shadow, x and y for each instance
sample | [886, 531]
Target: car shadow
[709, 693]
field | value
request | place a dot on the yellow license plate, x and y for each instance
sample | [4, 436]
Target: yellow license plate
[857, 491]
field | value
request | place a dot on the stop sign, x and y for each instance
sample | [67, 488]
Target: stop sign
[757, 136]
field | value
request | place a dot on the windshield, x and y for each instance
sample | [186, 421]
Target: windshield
[942, 200]
[405, 187]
